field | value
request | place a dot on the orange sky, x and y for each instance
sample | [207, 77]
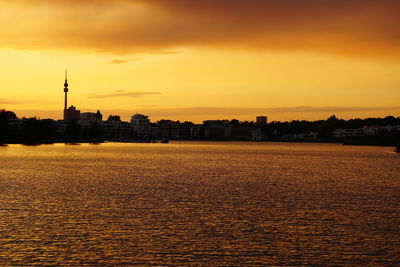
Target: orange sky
[195, 60]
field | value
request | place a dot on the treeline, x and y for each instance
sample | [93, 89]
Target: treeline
[33, 130]
[325, 128]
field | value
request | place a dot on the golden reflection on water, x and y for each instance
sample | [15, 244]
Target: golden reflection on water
[199, 204]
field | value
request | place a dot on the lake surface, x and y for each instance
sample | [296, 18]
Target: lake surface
[199, 204]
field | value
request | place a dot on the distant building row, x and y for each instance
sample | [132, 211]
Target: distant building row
[365, 131]
[141, 128]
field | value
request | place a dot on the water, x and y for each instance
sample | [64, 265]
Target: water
[199, 204]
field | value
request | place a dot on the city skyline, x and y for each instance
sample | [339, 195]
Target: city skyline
[196, 60]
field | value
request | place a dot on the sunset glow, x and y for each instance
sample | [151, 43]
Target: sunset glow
[195, 60]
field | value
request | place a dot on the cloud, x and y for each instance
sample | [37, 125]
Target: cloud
[117, 61]
[161, 52]
[367, 28]
[123, 93]
[121, 61]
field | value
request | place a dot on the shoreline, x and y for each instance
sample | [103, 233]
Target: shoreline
[79, 142]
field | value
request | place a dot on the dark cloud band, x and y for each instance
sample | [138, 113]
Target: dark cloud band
[367, 28]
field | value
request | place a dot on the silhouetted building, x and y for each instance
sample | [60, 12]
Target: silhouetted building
[164, 128]
[71, 114]
[116, 130]
[91, 116]
[185, 131]
[242, 132]
[141, 125]
[155, 131]
[256, 134]
[366, 131]
[261, 120]
[300, 136]
[217, 129]
[195, 131]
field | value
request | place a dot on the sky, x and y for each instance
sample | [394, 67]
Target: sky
[197, 60]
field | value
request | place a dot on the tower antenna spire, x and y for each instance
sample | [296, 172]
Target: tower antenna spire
[66, 92]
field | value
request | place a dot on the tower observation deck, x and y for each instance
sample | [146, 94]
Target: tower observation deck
[66, 91]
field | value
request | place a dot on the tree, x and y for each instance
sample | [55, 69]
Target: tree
[31, 130]
[327, 127]
[5, 117]
[47, 130]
